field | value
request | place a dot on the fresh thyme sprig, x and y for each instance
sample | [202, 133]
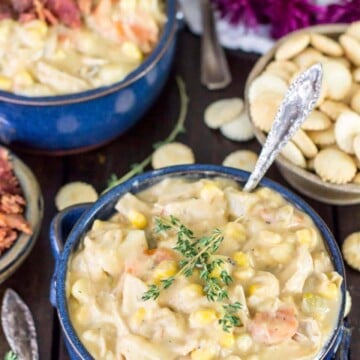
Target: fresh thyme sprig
[198, 253]
[230, 319]
[178, 129]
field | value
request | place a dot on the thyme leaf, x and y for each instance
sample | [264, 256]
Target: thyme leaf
[230, 319]
[198, 253]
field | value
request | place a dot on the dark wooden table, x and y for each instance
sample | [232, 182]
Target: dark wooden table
[33, 278]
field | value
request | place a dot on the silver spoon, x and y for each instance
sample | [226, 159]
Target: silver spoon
[215, 73]
[296, 106]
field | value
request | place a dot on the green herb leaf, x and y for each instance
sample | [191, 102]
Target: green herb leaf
[198, 253]
[10, 355]
[152, 293]
[230, 319]
[112, 180]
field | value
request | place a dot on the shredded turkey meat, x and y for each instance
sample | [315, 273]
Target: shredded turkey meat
[12, 204]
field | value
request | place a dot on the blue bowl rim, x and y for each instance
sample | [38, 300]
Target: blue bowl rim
[146, 66]
[147, 179]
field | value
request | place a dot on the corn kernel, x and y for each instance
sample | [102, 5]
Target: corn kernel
[306, 237]
[252, 289]
[216, 272]
[131, 50]
[203, 316]
[23, 79]
[139, 315]
[242, 259]
[335, 278]
[202, 354]
[236, 231]
[330, 291]
[165, 269]
[227, 340]
[137, 219]
[193, 290]
[210, 190]
[5, 83]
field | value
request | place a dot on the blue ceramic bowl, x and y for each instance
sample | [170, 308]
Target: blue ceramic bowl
[78, 122]
[70, 225]
[13, 257]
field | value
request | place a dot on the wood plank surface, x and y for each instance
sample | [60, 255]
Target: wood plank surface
[33, 278]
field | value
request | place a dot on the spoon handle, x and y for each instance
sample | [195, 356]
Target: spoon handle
[296, 106]
[215, 73]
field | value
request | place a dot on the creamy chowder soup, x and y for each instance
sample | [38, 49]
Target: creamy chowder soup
[199, 269]
[40, 59]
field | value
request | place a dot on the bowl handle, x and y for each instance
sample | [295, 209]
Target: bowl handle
[60, 228]
[62, 224]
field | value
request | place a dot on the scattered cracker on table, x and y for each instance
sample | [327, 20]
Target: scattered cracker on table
[239, 129]
[73, 193]
[342, 169]
[241, 159]
[222, 111]
[292, 153]
[347, 127]
[348, 303]
[351, 250]
[292, 46]
[174, 153]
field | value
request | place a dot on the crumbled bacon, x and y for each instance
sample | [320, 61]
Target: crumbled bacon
[12, 204]
[14, 221]
[5, 11]
[21, 6]
[7, 238]
[64, 11]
